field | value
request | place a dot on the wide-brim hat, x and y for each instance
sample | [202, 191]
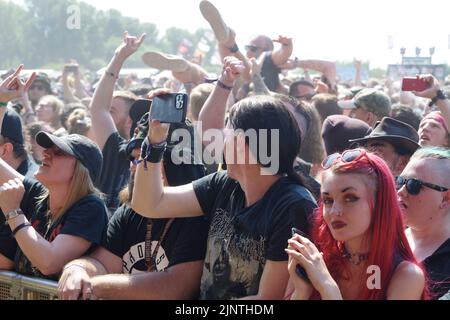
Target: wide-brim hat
[396, 132]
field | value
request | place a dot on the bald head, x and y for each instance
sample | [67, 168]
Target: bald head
[258, 45]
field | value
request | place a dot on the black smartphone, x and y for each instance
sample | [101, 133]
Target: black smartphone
[169, 108]
[301, 272]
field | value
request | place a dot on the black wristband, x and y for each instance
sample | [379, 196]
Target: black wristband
[234, 48]
[20, 227]
[223, 85]
[439, 96]
[152, 153]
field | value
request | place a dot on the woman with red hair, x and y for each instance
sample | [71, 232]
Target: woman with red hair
[360, 250]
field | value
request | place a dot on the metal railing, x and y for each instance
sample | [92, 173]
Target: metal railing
[14, 286]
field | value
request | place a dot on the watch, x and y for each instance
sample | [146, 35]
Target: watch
[439, 96]
[13, 214]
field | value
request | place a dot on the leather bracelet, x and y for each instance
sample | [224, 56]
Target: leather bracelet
[152, 153]
[223, 85]
[234, 48]
[20, 227]
[439, 96]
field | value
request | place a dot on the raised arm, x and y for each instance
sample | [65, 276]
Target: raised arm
[102, 122]
[431, 92]
[12, 87]
[213, 112]
[327, 68]
[150, 197]
[48, 257]
[282, 55]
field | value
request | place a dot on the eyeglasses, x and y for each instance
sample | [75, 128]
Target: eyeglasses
[347, 157]
[413, 186]
[252, 48]
[307, 97]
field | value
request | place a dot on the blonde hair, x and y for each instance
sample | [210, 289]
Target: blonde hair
[79, 122]
[81, 185]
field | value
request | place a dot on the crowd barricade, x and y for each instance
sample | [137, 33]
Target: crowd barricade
[14, 286]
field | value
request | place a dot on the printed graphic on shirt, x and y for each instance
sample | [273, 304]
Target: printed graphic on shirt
[234, 261]
[134, 259]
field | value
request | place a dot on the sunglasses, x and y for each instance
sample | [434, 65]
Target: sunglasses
[347, 157]
[251, 48]
[413, 186]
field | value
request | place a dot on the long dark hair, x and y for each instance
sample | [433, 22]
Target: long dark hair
[266, 112]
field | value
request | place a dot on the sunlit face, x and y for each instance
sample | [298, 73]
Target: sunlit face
[422, 209]
[36, 91]
[347, 202]
[45, 111]
[255, 49]
[303, 92]
[432, 133]
[57, 168]
[120, 113]
[385, 151]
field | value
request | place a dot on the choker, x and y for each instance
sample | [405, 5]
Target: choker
[355, 258]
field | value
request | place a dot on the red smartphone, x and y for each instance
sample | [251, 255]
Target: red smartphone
[414, 84]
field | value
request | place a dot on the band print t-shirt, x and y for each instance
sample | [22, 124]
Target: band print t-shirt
[185, 240]
[241, 240]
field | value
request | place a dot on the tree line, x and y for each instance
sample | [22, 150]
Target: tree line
[40, 34]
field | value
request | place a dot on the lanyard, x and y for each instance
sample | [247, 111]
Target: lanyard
[150, 257]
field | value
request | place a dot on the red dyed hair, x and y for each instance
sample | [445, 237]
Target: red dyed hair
[389, 245]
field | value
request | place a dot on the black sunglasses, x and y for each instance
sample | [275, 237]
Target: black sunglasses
[251, 48]
[347, 156]
[413, 186]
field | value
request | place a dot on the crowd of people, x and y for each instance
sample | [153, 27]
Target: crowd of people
[353, 204]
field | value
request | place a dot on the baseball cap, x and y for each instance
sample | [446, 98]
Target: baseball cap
[80, 147]
[372, 100]
[12, 126]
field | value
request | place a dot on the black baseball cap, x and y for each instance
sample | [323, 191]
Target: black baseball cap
[12, 126]
[80, 147]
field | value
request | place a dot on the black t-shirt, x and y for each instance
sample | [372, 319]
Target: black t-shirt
[270, 72]
[241, 239]
[438, 268]
[86, 219]
[28, 168]
[115, 170]
[185, 240]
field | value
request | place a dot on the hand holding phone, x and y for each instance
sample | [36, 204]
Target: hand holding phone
[414, 84]
[299, 270]
[169, 108]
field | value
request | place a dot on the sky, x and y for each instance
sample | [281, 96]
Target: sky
[321, 29]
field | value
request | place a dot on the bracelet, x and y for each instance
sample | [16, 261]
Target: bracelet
[79, 265]
[3, 104]
[439, 96]
[223, 85]
[152, 153]
[234, 48]
[20, 227]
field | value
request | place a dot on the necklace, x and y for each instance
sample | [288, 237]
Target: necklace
[355, 258]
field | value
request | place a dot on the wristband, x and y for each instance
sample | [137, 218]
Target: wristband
[439, 96]
[3, 104]
[223, 85]
[152, 153]
[234, 48]
[20, 227]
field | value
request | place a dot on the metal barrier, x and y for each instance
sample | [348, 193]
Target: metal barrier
[14, 286]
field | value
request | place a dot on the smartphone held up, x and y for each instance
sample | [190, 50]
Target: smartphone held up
[299, 270]
[166, 108]
[414, 84]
